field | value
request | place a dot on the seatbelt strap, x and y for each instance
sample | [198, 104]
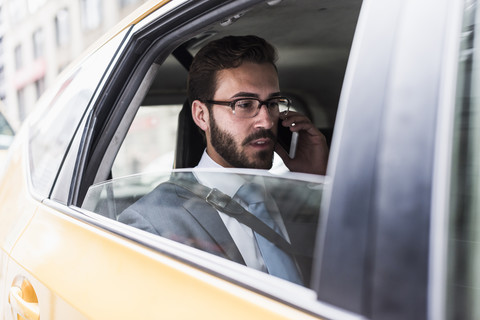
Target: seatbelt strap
[227, 205]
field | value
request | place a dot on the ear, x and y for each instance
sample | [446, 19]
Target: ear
[200, 115]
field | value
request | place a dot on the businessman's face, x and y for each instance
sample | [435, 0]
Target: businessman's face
[243, 142]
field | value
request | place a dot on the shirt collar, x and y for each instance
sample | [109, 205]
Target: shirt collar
[220, 177]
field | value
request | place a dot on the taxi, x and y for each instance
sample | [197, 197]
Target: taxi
[390, 232]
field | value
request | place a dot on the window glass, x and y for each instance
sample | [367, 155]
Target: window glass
[18, 57]
[39, 87]
[143, 191]
[180, 207]
[51, 135]
[22, 113]
[157, 126]
[463, 288]
[62, 27]
[150, 141]
[38, 40]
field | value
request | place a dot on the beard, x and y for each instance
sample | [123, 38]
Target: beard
[225, 145]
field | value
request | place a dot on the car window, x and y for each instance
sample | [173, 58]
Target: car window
[463, 287]
[50, 136]
[132, 182]
[167, 204]
[150, 141]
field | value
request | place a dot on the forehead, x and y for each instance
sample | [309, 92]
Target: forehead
[257, 79]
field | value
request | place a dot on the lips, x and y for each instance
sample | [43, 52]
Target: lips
[263, 142]
[260, 138]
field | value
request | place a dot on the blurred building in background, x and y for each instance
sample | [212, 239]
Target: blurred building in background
[39, 38]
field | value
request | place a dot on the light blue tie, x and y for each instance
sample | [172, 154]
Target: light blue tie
[277, 262]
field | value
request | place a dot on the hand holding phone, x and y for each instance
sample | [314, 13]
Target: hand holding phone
[310, 155]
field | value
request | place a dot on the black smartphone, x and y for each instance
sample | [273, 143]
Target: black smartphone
[287, 139]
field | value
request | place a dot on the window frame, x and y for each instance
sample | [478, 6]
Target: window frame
[80, 168]
[50, 104]
[383, 221]
[153, 39]
[65, 173]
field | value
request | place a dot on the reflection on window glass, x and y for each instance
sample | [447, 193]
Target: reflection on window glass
[464, 247]
[200, 208]
[150, 141]
[51, 134]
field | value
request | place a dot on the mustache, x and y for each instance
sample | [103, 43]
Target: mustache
[260, 135]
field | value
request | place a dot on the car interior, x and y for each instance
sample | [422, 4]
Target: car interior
[313, 41]
[156, 132]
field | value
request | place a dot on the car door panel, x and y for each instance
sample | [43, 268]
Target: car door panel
[16, 211]
[17, 206]
[49, 304]
[95, 271]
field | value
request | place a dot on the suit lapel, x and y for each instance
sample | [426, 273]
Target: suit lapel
[211, 222]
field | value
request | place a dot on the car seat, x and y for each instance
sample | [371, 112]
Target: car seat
[190, 141]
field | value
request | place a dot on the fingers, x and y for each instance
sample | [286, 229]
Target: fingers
[312, 150]
[297, 122]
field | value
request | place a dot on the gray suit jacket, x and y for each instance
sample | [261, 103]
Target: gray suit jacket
[175, 213]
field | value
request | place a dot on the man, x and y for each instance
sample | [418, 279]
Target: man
[235, 97]
[244, 67]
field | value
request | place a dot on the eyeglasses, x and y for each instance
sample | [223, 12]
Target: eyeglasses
[250, 107]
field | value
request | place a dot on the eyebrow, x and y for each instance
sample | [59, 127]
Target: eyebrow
[254, 95]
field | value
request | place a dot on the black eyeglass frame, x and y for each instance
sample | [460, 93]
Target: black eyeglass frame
[232, 103]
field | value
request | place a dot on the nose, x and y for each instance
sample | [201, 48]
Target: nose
[264, 119]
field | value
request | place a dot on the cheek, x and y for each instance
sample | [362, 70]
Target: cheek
[236, 132]
[236, 128]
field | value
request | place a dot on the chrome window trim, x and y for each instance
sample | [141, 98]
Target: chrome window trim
[121, 131]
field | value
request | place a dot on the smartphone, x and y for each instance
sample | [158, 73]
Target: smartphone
[287, 139]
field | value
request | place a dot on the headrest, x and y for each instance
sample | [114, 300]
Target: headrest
[190, 142]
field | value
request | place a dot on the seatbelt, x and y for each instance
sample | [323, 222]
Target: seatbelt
[227, 205]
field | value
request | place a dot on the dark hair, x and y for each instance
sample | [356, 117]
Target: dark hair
[226, 53]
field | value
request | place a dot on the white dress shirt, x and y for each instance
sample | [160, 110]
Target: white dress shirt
[229, 184]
